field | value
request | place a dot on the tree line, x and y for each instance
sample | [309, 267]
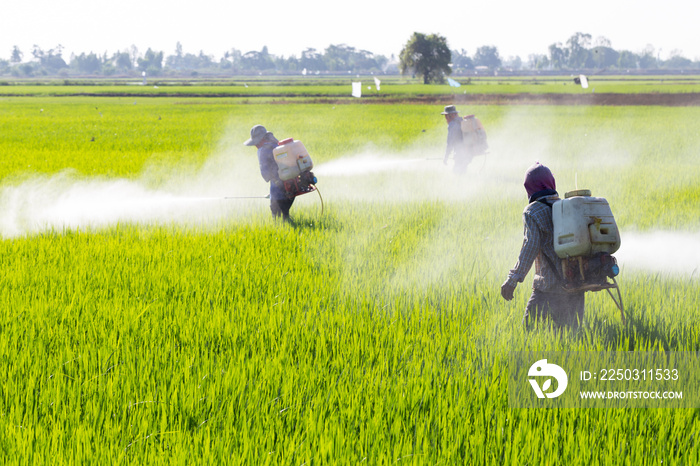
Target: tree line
[579, 52]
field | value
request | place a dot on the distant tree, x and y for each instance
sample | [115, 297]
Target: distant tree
[231, 61]
[537, 62]
[87, 64]
[16, 55]
[427, 56]
[338, 57]
[364, 60]
[134, 55]
[257, 61]
[122, 61]
[28, 69]
[627, 60]
[514, 63]
[50, 60]
[344, 58]
[312, 60]
[461, 61]
[648, 62]
[604, 57]
[557, 56]
[647, 58]
[188, 61]
[487, 55]
[578, 51]
[152, 62]
[677, 61]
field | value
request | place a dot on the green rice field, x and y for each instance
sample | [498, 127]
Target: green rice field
[146, 319]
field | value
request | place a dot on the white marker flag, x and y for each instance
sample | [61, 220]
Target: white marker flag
[377, 82]
[357, 89]
[584, 81]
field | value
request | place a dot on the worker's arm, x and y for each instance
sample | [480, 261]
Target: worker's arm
[532, 243]
[268, 166]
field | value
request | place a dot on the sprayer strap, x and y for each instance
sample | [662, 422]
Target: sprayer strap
[546, 257]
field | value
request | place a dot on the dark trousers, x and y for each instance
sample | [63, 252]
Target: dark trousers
[564, 309]
[461, 164]
[281, 207]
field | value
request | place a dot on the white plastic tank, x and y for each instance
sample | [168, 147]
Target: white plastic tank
[583, 225]
[292, 158]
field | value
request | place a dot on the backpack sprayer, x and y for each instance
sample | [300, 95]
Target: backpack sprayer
[585, 237]
[474, 135]
[294, 168]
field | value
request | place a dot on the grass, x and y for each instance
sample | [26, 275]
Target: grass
[374, 333]
[340, 87]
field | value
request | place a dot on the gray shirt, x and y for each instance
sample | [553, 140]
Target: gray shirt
[455, 142]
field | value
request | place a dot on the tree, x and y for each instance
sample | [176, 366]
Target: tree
[312, 60]
[514, 63]
[16, 55]
[676, 61]
[604, 56]
[626, 60]
[427, 56]
[578, 51]
[647, 59]
[122, 61]
[537, 61]
[557, 56]
[87, 64]
[231, 61]
[50, 60]
[152, 62]
[487, 55]
[461, 61]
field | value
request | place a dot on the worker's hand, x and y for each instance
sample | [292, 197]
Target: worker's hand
[507, 290]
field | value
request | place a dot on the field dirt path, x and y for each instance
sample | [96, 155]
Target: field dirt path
[666, 100]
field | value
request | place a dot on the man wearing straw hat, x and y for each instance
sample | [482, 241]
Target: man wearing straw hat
[455, 141]
[265, 141]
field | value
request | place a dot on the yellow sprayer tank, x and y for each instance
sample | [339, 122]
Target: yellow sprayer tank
[292, 159]
[583, 225]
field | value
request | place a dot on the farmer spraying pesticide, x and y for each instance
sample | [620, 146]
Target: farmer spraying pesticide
[548, 298]
[286, 165]
[466, 138]
[570, 242]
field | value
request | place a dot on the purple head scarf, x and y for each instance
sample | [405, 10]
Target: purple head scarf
[539, 178]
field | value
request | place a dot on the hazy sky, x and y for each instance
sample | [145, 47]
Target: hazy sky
[288, 27]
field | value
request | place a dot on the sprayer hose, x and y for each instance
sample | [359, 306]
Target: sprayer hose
[320, 197]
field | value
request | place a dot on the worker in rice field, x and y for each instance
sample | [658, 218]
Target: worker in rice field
[455, 142]
[549, 300]
[265, 141]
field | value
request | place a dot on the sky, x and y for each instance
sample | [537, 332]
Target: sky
[288, 27]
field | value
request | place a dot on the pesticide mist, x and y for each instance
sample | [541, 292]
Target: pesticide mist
[67, 201]
[666, 252]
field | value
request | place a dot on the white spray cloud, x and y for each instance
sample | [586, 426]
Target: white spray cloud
[667, 252]
[67, 201]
